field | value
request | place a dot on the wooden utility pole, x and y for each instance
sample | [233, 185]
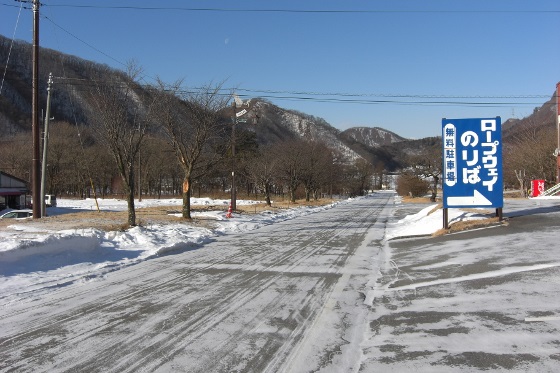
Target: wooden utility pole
[36, 164]
[233, 186]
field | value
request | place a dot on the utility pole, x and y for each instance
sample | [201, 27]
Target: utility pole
[236, 115]
[233, 194]
[45, 146]
[35, 175]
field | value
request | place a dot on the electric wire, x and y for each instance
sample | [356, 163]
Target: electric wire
[291, 10]
[326, 97]
[82, 41]
[347, 98]
[74, 117]
[10, 50]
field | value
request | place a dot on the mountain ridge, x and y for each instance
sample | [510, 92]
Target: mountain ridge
[73, 76]
[70, 103]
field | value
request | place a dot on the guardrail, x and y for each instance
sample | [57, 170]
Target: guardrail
[551, 191]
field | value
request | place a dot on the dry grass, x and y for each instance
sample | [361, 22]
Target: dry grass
[408, 199]
[468, 225]
[461, 225]
[117, 220]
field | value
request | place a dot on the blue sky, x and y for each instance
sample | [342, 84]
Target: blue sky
[401, 65]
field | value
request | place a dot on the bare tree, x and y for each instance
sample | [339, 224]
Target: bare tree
[262, 170]
[317, 160]
[529, 155]
[12, 159]
[195, 129]
[121, 115]
[362, 173]
[289, 167]
[409, 183]
[429, 165]
[158, 165]
[379, 175]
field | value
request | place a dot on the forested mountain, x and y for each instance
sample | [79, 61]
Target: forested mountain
[73, 77]
[543, 117]
[71, 103]
[529, 146]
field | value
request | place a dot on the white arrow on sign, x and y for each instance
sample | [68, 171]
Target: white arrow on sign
[476, 199]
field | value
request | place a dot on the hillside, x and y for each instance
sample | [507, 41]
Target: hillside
[73, 77]
[542, 117]
[71, 103]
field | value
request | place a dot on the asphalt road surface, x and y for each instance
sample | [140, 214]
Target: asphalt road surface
[483, 300]
[286, 297]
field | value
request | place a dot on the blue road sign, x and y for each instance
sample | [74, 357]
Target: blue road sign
[472, 163]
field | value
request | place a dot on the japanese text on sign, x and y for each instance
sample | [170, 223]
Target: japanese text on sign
[473, 172]
[472, 161]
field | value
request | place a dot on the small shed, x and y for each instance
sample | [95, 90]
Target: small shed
[13, 191]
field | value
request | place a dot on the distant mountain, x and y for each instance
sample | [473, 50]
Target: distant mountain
[71, 103]
[372, 136]
[272, 124]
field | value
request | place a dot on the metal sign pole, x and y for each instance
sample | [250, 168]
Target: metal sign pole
[472, 164]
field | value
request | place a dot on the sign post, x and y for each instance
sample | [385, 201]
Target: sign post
[472, 164]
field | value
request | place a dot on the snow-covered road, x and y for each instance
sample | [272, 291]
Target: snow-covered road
[285, 297]
[484, 300]
[325, 291]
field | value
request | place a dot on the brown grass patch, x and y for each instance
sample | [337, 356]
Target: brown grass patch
[408, 199]
[118, 220]
[468, 225]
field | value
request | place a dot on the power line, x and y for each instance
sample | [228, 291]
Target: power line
[82, 41]
[343, 94]
[288, 10]
[10, 50]
[346, 98]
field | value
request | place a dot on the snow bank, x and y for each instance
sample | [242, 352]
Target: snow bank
[34, 258]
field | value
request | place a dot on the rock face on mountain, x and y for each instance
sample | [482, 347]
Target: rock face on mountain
[272, 124]
[372, 136]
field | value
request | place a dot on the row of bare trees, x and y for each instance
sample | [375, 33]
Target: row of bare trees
[163, 141]
[529, 155]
